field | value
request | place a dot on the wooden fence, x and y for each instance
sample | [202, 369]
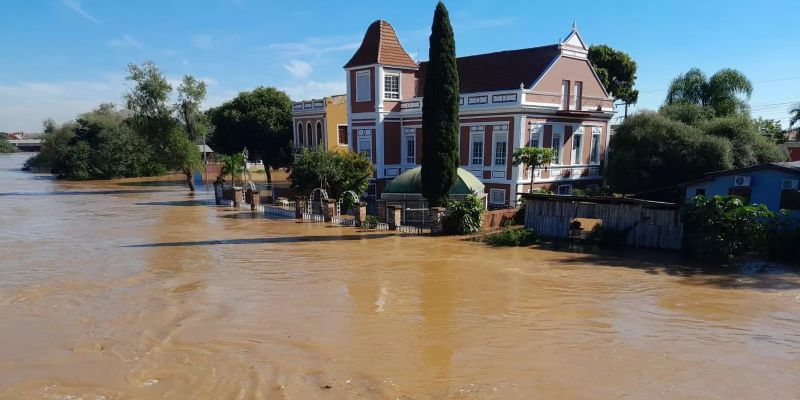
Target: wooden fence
[645, 223]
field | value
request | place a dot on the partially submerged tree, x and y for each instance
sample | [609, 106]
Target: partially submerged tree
[533, 157]
[440, 112]
[617, 71]
[726, 92]
[233, 165]
[153, 119]
[259, 120]
[654, 152]
[191, 93]
[334, 171]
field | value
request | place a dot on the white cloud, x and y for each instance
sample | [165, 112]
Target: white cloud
[315, 45]
[298, 69]
[24, 105]
[75, 5]
[203, 41]
[314, 90]
[124, 41]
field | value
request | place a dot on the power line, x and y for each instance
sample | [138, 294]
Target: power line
[791, 78]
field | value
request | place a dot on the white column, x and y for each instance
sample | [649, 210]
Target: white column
[519, 126]
[350, 144]
[379, 164]
[379, 88]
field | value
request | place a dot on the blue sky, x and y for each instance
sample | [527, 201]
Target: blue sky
[63, 57]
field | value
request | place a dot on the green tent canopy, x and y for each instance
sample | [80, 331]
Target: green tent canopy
[408, 186]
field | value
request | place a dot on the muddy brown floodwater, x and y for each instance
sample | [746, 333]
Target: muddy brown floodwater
[138, 290]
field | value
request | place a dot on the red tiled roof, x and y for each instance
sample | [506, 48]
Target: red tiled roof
[381, 46]
[503, 70]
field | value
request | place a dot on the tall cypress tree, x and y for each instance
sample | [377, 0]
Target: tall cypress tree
[440, 112]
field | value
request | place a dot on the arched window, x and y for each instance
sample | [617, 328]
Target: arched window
[320, 136]
[309, 135]
[299, 135]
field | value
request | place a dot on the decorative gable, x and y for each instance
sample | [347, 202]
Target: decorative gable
[573, 45]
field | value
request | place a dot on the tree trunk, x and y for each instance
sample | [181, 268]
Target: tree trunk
[269, 173]
[189, 179]
[532, 169]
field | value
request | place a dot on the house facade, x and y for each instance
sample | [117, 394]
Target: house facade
[321, 123]
[547, 96]
[772, 184]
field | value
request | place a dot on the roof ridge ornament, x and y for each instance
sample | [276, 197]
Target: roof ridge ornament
[574, 26]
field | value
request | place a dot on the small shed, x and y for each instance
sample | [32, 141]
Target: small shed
[405, 191]
[644, 223]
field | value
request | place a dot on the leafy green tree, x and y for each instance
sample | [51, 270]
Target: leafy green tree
[688, 113]
[259, 120]
[616, 70]
[334, 171]
[726, 92]
[152, 117]
[191, 93]
[771, 129]
[749, 146]
[533, 157]
[440, 112]
[654, 152]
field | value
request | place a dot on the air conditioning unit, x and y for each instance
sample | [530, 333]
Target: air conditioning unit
[741, 181]
[789, 184]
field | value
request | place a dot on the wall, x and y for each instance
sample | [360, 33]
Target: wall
[336, 114]
[765, 185]
[574, 70]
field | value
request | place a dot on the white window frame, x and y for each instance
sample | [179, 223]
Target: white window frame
[368, 90]
[319, 134]
[477, 131]
[559, 150]
[310, 135]
[536, 135]
[576, 155]
[594, 156]
[568, 189]
[578, 95]
[493, 192]
[346, 135]
[409, 134]
[389, 95]
[300, 137]
[365, 136]
[499, 136]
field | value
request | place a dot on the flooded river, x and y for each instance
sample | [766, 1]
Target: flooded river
[139, 290]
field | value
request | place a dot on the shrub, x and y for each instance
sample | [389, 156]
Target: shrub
[511, 236]
[607, 237]
[783, 237]
[6, 147]
[463, 217]
[722, 227]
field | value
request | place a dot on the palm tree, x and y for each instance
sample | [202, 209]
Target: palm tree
[232, 165]
[726, 92]
[795, 115]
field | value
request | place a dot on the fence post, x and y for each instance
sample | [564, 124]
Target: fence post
[255, 200]
[437, 214]
[299, 206]
[394, 217]
[328, 209]
[361, 213]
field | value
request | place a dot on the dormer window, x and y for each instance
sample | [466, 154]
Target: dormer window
[363, 86]
[391, 86]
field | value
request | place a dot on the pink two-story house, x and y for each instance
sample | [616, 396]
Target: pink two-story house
[547, 96]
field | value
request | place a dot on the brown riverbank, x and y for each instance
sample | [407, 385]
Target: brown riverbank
[136, 289]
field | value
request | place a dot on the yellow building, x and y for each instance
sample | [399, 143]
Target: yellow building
[321, 123]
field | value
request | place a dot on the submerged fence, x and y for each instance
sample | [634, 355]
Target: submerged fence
[644, 223]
